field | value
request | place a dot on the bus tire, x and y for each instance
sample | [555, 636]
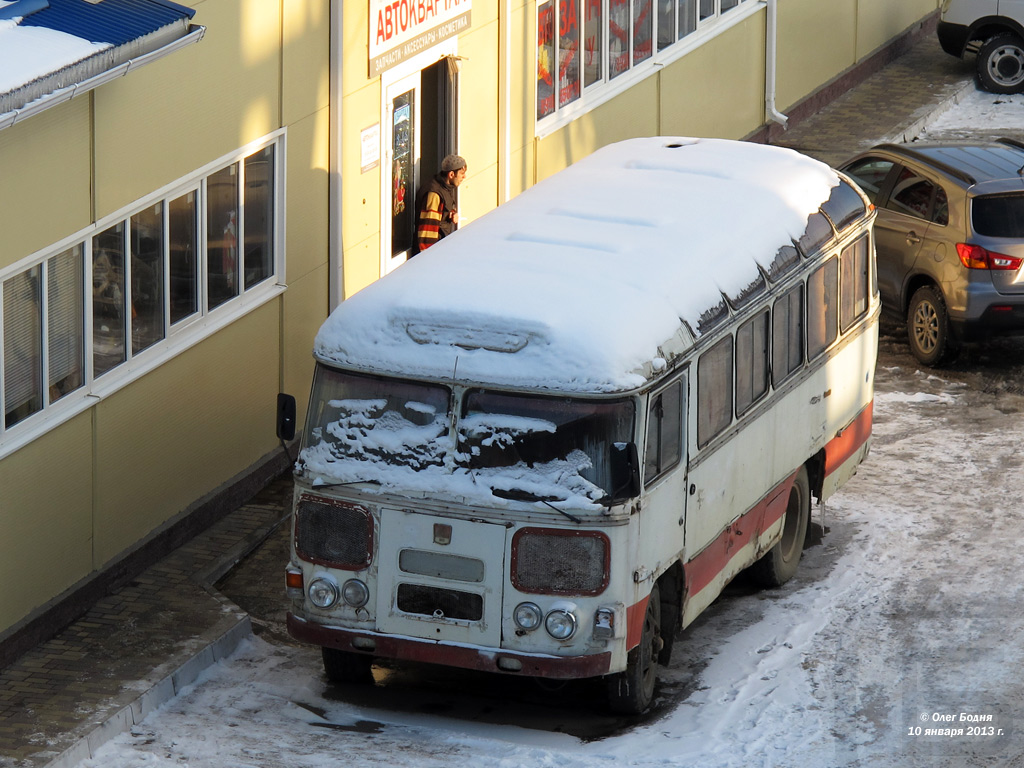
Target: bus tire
[347, 667]
[779, 564]
[631, 692]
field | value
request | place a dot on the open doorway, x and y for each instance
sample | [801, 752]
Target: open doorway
[421, 127]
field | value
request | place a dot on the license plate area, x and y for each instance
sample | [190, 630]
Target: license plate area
[439, 578]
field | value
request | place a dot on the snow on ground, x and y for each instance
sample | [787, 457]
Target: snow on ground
[979, 112]
[902, 631]
[908, 610]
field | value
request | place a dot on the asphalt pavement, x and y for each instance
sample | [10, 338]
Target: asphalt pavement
[136, 648]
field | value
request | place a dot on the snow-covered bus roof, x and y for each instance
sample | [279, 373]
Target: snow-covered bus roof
[591, 281]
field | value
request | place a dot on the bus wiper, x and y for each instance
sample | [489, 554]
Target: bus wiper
[316, 486]
[517, 494]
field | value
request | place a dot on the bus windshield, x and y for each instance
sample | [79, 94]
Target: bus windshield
[396, 434]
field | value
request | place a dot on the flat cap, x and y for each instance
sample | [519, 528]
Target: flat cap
[452, 163]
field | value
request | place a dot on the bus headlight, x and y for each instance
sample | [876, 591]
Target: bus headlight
[527, 616]
[355, 592]
[560, 624]
[322, 593]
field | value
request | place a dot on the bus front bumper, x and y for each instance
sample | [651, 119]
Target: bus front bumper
[462, 656]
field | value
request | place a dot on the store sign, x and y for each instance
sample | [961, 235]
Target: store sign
[399, 29]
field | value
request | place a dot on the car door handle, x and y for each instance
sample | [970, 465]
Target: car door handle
[912, 238]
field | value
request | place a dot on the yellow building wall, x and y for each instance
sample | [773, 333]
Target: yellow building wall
[305, 59]
[478, 116]
[816, 42]
[304, 309]
[307, 195]
[184, 429]
[157, 122]
[44, 167]
[878, 21]
[45, 518]
[733, 64]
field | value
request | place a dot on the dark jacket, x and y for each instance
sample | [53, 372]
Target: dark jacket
[434, 207]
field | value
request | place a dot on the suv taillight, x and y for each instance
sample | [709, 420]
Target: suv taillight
[976, 257]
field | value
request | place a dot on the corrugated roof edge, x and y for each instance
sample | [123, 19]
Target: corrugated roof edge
[8, 118]
[190, 12]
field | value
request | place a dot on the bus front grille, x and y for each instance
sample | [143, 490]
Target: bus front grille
[440, 603]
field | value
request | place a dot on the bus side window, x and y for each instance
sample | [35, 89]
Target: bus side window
[751, 362]
[714, 391]
[822, 309]
[787, 335]
[664, 432]
[854, 283]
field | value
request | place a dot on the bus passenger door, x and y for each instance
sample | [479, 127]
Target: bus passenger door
[664, 512]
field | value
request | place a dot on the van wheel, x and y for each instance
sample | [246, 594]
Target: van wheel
[1000, 64]
[632, 691]
[928, 328]
[778, 565]
[347, 667]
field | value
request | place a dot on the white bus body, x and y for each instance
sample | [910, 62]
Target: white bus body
[548, 442]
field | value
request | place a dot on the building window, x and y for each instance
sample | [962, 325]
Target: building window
[611, 44]
[183, 259]
[65, 313]
[108, 315]
[147, 271]
[222, 235]
[23, 355]
[140, 278]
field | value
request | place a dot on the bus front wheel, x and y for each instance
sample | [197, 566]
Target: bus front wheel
[778, 565]
[631, 692]
[347, 667]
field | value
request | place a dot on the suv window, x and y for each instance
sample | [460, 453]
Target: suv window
[912, 194]
[870, 174]
[998, 215]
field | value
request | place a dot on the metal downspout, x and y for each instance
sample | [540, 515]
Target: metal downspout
[336, 276]
[505, 166]
[770, 50]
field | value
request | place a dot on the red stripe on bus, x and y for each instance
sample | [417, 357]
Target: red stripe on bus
[712, 560]
[635, 622]
[849, 441]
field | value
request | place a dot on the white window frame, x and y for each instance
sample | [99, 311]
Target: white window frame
[608, 88]
[177, 337]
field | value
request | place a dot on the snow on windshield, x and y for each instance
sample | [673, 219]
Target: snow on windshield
[395, 435]
[592, 279]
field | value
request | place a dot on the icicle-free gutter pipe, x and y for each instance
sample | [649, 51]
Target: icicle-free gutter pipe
[770, 49]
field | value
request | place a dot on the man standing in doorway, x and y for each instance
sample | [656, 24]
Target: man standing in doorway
[437, 205]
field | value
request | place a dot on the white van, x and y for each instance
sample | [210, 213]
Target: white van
[992, 29]
[547, 443]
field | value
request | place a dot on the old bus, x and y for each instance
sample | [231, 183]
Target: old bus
[546, 444]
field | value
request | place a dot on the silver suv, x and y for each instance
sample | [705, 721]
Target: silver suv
[949, 239]
[994, 30]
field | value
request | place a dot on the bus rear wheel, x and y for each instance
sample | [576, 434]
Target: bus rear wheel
[631, 692]
[347, 667]
[779, 564]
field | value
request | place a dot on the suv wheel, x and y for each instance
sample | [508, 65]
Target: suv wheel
[928, 327]
[1001, 64]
